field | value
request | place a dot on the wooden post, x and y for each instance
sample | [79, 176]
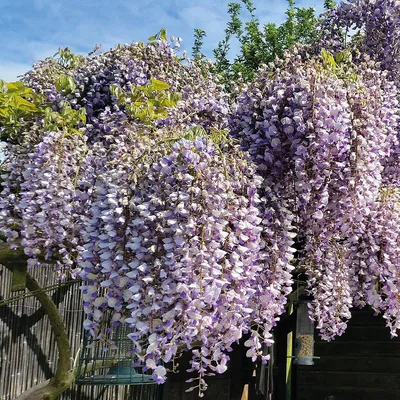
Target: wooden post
[289, 359]
[292, 298]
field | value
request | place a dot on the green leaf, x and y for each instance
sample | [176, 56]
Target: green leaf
[82, 115]
[25, 105]
[64, 104]
[354, 77]
[339, 57]
[117, 91]
[72, 84]
[174, 97]
[14, 86]
[65, 82]
[157, 85]
[196, 131]
[121, 101]
[163, 34]
[343, 56]
[328, 60]
[60, 83]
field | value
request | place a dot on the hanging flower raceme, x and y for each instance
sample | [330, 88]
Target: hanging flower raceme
[45, 212]
[376, 255]
[180, 257]
[377, 25]
[312, 128]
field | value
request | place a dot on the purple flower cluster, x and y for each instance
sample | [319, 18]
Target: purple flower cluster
[194, 243]
[44, 209]
[176, 252]
[325, 157]
[203, 101]
[374, 256]
[377, 24]
[166, 239]
[32, 173]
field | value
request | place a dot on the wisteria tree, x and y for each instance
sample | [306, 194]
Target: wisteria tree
[187, 215]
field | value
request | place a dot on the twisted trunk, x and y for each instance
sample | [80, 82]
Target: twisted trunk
[64, 375]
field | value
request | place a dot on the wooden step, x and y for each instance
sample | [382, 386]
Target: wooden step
[364, 333]
[357, 348]
[358, 364]
[345, 393]
[365, 317]
[349, 379]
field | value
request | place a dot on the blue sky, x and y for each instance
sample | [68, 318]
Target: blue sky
[34, 29]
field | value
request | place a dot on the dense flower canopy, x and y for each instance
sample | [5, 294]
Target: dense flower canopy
[192, 236]
[325, 158]
[151, 203]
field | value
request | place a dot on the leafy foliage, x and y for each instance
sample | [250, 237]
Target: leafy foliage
[68, 60]
[18, 104]
[147, 103]
[199, 35]
[260, 44]
[22, 109]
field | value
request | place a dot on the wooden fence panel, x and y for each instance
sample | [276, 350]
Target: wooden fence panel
[28, 353]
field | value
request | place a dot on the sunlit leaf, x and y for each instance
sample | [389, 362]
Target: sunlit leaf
[157, 85]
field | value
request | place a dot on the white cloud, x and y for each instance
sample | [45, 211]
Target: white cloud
[35, 29]
[9, 71]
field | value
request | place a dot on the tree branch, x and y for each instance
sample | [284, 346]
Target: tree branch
[57, 325]
[9, 257]
[64, 376]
